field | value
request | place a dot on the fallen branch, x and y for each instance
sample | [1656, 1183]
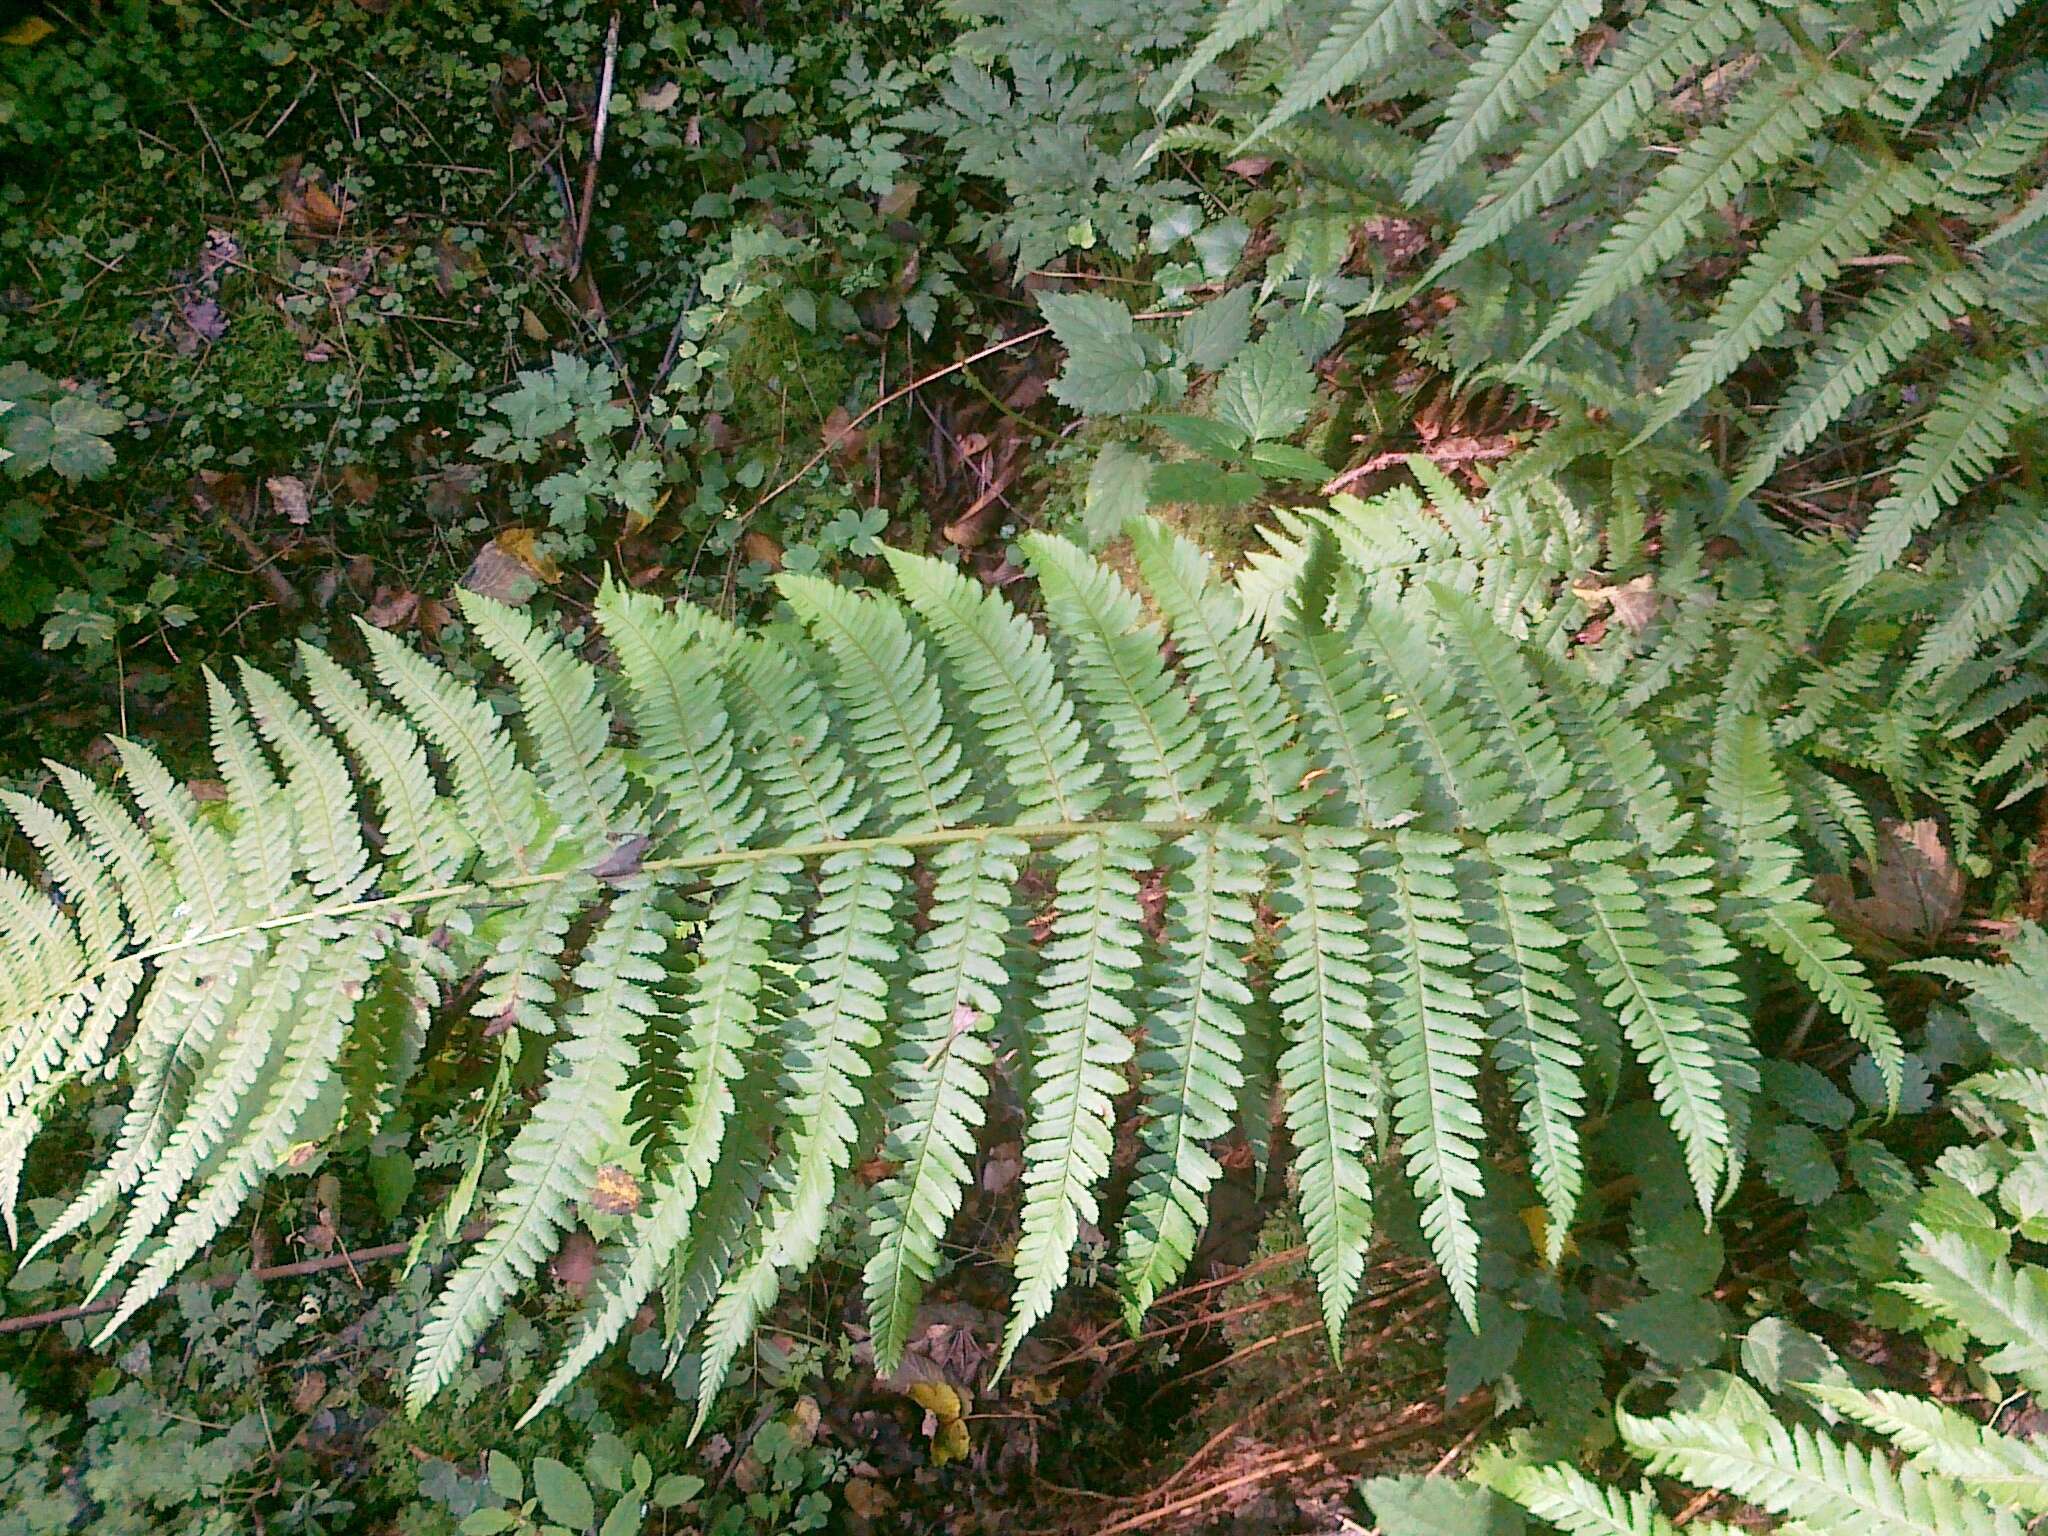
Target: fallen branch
[264, 1273]
[604, 112]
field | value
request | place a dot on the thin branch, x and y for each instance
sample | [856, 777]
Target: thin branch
[344, 1259]
[604, 112]
[919, 383]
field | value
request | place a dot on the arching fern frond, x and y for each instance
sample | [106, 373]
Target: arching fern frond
[759, 905]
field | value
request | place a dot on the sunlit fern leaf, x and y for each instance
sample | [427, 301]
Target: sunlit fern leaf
[2006, 1469]
[551, 1161]
[1998, 1303]
[1330, 1074]
[708, 928]
[1858, 351]
[1087, 968]
[1803, 251]
[1193, 1058]
[1513, 66]
[942, 1066]
[1430, 1016]
[1964, 436]
[1810, 1477]
[828, 1050]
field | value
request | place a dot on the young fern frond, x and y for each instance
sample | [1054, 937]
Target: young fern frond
[775, 927]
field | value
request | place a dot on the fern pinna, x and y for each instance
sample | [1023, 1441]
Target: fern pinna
[757, 899]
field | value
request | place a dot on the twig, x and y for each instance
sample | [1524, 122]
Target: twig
[265, 1273]
[604, 112]
[919, 383]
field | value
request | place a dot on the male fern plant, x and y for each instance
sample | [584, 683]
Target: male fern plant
[757, 897]
[1879, 207]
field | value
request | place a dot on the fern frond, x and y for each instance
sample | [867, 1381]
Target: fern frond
[1943, 34]
[1240, 21]
[1006, 670]
[1995, 1302]
[1192, 1058]
[941, 1071]
[1576, 1504]
[553, 1158]
[2009, 1471]
[1118, 669]
[1235, 681]
[1771, 906]
[1364, 36]
[1332, 1083]
[1523, 966]
[1671, 41]
[893, 708]
[1657, 1015]
[827, 1052]
[1909, 306]
[1802, 252]
[1431, 1014]
[1796, 1472]
[1774, 119]
[1512, 68]
[1965, 435]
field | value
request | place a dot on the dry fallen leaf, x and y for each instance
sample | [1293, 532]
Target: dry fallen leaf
[615, 1191]
[511, 568]
[288, 494]
[1916, 891]
[945, 1419]
[574, 1265]
[1634, 602]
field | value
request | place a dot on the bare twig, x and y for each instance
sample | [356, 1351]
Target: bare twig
[268, 1272]
[604, 112]
[919, 383]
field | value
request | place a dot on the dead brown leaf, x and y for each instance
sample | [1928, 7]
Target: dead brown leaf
[1916, 890]
[289, 495]
[615, 1191]
[1635, 602]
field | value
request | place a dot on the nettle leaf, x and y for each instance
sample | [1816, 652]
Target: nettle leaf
[1266, 393]
[1286, 462]
[1217, 332]
[1796, 1164]
[1207, 436]
[1116, 492]
[1108, 371]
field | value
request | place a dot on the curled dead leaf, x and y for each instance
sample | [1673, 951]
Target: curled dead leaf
[1635, 602]
[1916, 890]
[288, 495]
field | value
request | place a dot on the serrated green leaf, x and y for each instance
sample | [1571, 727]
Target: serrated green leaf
[1107, 372]
[1116, 492]
[1266, 393]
